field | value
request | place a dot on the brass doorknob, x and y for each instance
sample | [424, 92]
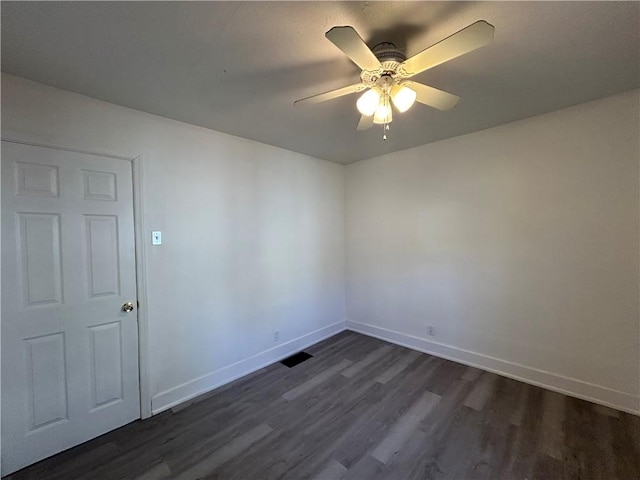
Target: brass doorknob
[127, 307]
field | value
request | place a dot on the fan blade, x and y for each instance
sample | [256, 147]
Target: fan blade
[321, 97]
[432, 96]
[365, 123]
[466, 40]
[348, 40]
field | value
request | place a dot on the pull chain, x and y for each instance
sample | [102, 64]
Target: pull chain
[385, 129]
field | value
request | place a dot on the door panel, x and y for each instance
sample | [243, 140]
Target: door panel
[47, 380]
[34, 179]
[99, 185]
[69, 352]
[103, 272]
[106, 367]
[40, 262]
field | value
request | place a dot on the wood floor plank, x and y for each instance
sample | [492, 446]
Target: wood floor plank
[404, 427]
[503, 401]
[394, 400]
[398, 367]
[396, 414]
[458, 454]
[446, 374]
[415, 459]
[445, 411]
[518, 414]
[471, 374]
[316, 380]
[582, 457]
[334, 470]
[203, 441]
[547, 468]
[225, 453]
[519, 456]
[552, 434]
[308, 428]
[602, 410]
[530, 409]
[357, 367]
[68, 465]
[421, 456]
[158, 472]
[125, 465]
[367, 468]
[481, 391]
[627, 456]
[632, 424]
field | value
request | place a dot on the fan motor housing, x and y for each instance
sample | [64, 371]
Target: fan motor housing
[387, 52]
[390, 58]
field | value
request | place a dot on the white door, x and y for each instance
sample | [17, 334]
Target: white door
[69, 351]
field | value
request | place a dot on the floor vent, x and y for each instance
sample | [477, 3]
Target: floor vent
[295, 359]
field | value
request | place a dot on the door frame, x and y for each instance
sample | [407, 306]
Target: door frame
[139, 226]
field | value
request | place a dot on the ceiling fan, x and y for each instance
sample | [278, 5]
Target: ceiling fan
[386, 72]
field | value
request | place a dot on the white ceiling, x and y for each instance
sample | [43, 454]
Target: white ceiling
[237, 67]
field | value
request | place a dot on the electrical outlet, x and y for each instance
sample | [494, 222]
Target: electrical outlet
[431, 330]
[276, 336]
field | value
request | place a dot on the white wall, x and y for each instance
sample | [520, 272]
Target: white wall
[253, 236]
[519, 244]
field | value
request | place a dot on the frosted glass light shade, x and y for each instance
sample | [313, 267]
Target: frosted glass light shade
[403, 97]
[368, 102]
[383, 114]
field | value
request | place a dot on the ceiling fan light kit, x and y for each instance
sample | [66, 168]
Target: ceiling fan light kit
[403, 97]
[383, 114]
[367, 104]
[385, 72]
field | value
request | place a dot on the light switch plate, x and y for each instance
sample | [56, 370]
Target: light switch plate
[156, 238]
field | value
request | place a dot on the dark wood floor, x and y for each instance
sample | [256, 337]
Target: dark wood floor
[364, 409]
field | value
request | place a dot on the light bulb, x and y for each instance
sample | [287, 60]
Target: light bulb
[368, 102]
[383, 113]
[403, 97]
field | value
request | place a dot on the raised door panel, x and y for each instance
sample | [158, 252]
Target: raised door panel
[47, 381]
[36, 180]
[99, 185]
[40, 259]
[106, 364]
[102, 255]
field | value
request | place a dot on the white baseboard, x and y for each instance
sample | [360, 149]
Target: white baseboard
[623, 401]
[174, 396]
